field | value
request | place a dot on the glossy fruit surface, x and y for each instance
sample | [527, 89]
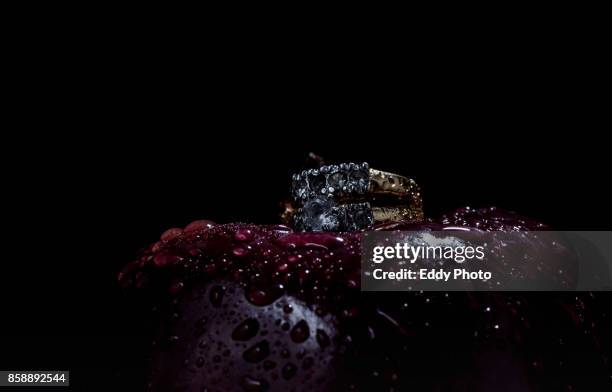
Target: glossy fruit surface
[248, 307]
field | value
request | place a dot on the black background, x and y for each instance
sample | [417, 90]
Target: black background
[128, 155]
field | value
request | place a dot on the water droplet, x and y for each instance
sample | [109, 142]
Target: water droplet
[200, 362]
[199, 326]
[293, 258]
[300, 332]
[173, 339]
[262, 297]
[287, 308]
[251, 384]
[171, 234]
[216, 295]
[240, 251]
[198, 225]
[243, 235]
[162, 259]
[307, 363]
[267, 365]
[175, 287]
[351, 312]
[322, 338]
[156, 247]
[257, 352]
[246, 330]
[371, 333]
[174, 317]
[289, 371]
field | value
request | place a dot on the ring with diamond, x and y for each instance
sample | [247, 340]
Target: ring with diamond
[351, 181]
[352, 196]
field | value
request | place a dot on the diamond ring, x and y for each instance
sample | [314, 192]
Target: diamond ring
[351, 180]
[352, 196]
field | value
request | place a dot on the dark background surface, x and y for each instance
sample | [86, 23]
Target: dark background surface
[140, 155]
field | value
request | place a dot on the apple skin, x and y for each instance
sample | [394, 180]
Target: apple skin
[215, 337]
[371, 341]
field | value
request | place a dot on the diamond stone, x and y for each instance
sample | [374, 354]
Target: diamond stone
[336, 180]
[301, 187]
[318, 214]
[358, 175]
[317, 182]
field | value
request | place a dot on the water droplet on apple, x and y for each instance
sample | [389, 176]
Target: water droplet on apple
[300, 332]
[246, 330]
[216, 296]
[257, 352]
[289, 371]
